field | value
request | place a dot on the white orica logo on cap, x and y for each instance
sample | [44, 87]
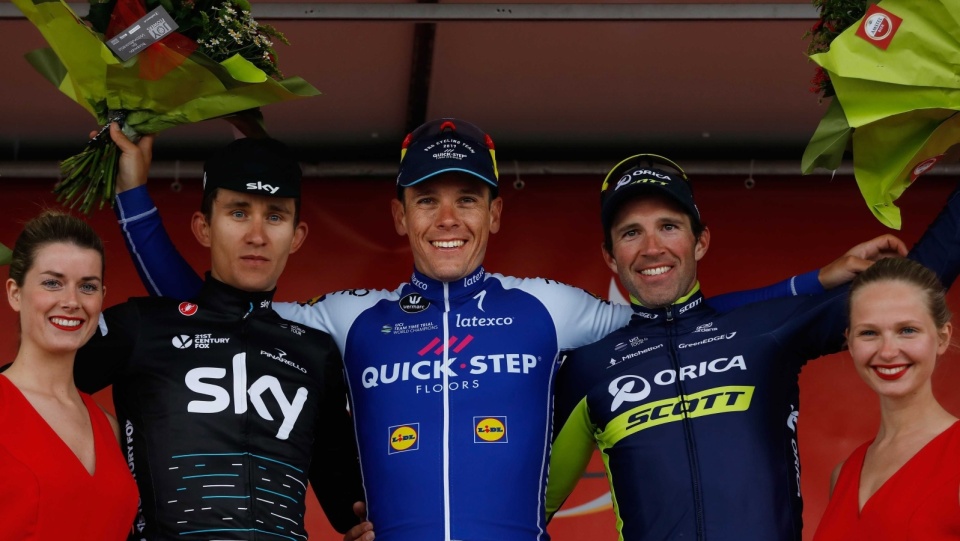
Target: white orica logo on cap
[643, 176]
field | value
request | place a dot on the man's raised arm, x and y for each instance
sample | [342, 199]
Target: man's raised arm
[162, 269]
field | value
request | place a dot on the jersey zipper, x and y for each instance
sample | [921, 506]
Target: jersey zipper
[241, 380]
[446, 415]
[691, 444]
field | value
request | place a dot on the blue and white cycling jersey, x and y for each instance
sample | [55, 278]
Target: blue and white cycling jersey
[451, 387]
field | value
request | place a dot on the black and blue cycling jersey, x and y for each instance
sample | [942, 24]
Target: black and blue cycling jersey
[226, 411]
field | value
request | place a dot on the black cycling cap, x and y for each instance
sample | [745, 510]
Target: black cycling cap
[256, 166]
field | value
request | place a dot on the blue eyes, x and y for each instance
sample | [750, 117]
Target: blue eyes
[88, 288]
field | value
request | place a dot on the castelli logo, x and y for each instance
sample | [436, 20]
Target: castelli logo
[877, 26]
[188, 308]
[923, 167]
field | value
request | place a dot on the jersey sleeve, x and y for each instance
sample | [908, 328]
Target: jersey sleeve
[802, 284]
[333, 313]
[163, 271]
[100, 360]
[573, 441]
[335, 468]
[939, 247]
[580, 318]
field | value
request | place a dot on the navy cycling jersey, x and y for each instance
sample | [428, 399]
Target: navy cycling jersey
[695, 412]
[451, 385]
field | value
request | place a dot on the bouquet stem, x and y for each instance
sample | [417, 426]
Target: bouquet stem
[90, 176]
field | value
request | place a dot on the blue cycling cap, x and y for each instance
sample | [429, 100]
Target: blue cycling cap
[447, 145]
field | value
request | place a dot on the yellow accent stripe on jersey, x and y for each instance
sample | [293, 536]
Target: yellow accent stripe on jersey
[709, 402]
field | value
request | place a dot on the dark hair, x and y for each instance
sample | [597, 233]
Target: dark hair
[696, 226]
[910, 272]
[50, 227]
[206, 205]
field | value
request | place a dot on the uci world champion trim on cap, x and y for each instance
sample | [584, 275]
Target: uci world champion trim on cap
[644, 173]
[447, 145]
[254, 166]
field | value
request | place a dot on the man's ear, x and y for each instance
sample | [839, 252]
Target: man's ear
[608, 257]
[399, 216]
[200, 228]
[299, 235]
[496, 207]
[703, 243]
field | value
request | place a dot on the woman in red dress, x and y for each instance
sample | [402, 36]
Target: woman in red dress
[904, 484]
[62, 473]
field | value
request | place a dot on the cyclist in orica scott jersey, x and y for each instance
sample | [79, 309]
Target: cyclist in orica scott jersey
[694, 410]
[451, 374]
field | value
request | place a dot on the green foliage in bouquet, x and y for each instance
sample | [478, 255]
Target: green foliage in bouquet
[220, 63]
[895, 99]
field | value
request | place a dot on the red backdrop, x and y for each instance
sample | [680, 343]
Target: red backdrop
[551, 229]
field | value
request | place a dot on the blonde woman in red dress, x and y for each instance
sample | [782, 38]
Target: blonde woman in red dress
[62, 473]
[905, 484]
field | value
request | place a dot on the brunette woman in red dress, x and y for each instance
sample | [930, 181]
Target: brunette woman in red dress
[905, 484]
[62, 472]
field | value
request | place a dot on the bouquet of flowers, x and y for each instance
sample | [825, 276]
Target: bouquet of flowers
[891, 70]
[209, 59]
[835, 17]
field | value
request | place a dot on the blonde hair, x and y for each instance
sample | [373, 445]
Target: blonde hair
[908, 271]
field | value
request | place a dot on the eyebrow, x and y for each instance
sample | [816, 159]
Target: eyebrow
[61, 275]
[278, 208]
[239, 203]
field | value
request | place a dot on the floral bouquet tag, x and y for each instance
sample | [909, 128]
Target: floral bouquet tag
[148, 30]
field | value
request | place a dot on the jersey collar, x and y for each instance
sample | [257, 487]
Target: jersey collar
[224, 298]
[678, 309]
[433, 289]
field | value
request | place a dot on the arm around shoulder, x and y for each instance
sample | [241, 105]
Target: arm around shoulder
[573, 441]
[939, 247]
[335, 469]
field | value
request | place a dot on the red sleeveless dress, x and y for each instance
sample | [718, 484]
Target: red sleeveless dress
[46, 494]
[920, 502]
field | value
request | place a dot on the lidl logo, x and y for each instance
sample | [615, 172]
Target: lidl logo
[404, 438]
[490, 430]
